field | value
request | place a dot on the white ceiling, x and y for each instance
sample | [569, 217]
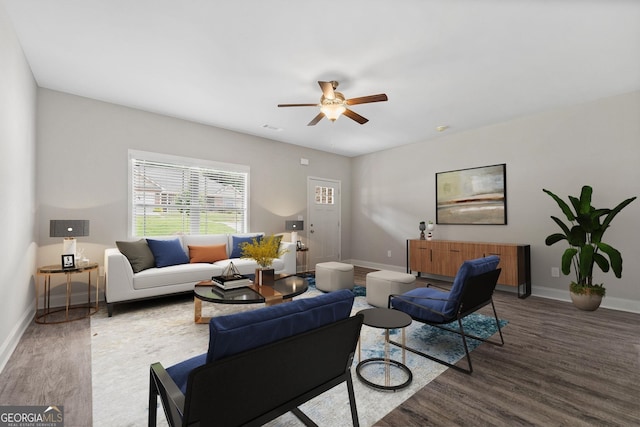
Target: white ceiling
[228, 63]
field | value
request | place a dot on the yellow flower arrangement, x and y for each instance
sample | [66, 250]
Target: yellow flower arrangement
[263, 251]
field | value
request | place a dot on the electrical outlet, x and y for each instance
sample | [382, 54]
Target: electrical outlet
[555, 272]
[389, 254]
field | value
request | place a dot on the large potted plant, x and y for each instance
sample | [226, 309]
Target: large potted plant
[263, 250]
[584, 234]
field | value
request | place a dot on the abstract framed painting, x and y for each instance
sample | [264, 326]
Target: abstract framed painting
[472, 196]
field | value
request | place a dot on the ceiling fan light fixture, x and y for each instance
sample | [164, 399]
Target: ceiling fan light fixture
[333, 104]
[333, 111]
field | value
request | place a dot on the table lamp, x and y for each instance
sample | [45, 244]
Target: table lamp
[294, 227]
[69, 229]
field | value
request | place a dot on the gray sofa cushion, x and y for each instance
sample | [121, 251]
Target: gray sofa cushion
[138, 253]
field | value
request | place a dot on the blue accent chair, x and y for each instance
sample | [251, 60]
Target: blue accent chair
[261, 364]
[471, 290]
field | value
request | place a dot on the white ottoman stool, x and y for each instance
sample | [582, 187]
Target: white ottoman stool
[333, 276]
[381, 284]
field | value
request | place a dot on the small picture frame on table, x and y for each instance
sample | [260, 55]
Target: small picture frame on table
[68, 261]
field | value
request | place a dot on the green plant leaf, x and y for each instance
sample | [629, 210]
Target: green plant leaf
[585, 262]
[601, 261]
[613, 212]
[615, 257]
[561, 224]
[577, 236]
[584, 206]
[567, 257]
[563, 206]
[554, 238]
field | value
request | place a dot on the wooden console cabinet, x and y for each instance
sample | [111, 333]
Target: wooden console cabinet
[444, 258]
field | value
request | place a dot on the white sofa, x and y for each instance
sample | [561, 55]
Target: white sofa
[122, 284]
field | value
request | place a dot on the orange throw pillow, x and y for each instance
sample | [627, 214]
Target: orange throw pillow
[209, 254]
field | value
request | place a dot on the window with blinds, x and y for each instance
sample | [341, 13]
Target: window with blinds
[172, 195]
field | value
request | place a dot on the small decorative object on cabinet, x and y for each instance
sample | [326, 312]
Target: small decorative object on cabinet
[422, 228]
[430, 227]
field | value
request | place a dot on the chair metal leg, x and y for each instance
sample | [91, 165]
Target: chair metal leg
[466, 348]
[495, 314]
[352, 401]
[153, 401]
[303, 417]
[430, 357]
[464, 342]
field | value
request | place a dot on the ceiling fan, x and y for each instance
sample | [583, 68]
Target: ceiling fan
[333, 104]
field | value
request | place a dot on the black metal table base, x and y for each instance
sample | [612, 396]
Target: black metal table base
[389, 363]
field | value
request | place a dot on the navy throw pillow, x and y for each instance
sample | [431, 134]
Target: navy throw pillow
[167, 252]
[238, 240]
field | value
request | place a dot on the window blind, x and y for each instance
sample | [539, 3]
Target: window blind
[170, 198]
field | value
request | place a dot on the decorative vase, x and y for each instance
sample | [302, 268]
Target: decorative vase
[587, 301]
[422, 227]
[264, 276]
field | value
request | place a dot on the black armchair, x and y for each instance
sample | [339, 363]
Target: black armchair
[471, 290]
[262, 364]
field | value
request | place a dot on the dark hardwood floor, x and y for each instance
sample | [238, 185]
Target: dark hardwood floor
[559, 367]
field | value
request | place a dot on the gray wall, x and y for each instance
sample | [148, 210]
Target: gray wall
[82, 173]
[17, 190]
[596, 143]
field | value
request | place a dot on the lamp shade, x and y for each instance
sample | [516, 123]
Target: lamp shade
[68, 227]
[294, 225]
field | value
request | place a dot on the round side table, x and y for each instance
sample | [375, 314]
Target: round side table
[385, 318]
[49, 270]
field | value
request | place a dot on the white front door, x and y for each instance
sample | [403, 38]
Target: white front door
[323, 201]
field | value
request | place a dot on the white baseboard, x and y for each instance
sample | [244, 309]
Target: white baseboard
[612, 303]
[9, 345]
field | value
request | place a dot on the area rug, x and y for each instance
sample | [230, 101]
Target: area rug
[125, 345]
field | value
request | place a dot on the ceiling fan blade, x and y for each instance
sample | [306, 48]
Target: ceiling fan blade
[355, 116]
[327, 89]
[316, 119]
[298, 105]
[367, 99]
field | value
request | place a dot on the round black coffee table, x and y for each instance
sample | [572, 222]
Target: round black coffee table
[385, 318]
[284, 288]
